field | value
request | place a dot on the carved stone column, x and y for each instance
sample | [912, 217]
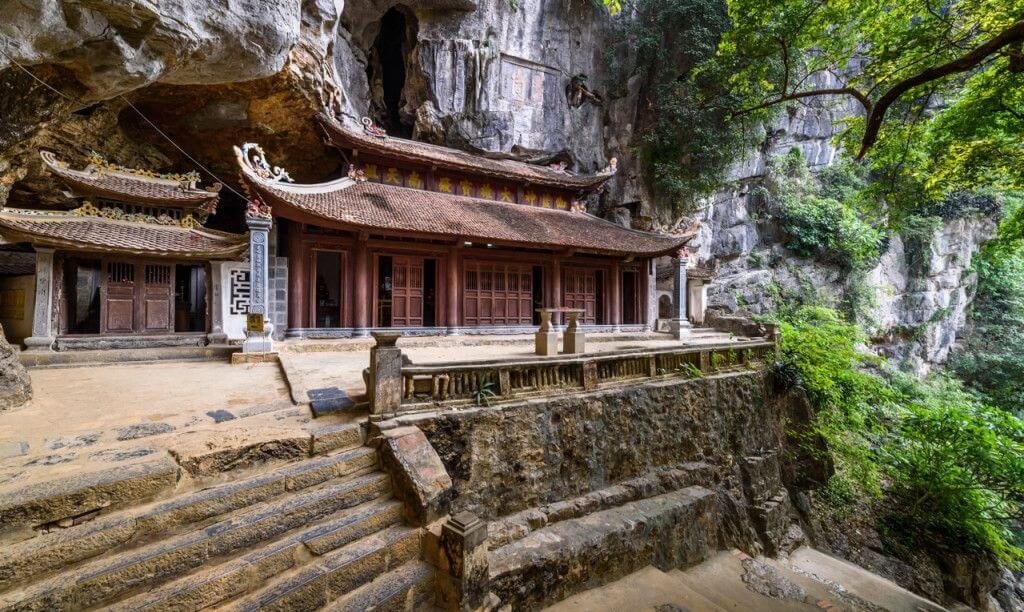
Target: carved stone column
[651, 296]
[384, 391]
[465, 581]
[217, 335]
[258, 340]
[43, 334]
[680, 324]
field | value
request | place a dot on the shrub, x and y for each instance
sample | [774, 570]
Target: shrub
[816, 222]
[948, 469]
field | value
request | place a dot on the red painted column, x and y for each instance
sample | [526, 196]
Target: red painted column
[556, 288]
[361, 306]
[616, 293]
[296, 276]
[452, 292]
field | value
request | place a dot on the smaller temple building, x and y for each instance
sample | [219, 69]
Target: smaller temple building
[128, 265]
[431, 239]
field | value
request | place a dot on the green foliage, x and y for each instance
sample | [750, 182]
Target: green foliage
[821, 215]
[484, 394]
[687, 132]
[992, 363]
[956, 467]
[947, 469]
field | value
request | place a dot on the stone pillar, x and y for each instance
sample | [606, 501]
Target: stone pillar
[43, 334]
[217, 289]
[698, 298]
[384, 391]
[575, 339]
[679, 324]
[615, 309]
[258, 340]
[452, 291]
[651, 296]
[361, 303]
[546, 338]
[464, 583]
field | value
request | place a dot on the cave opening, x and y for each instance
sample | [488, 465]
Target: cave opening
[387, 70]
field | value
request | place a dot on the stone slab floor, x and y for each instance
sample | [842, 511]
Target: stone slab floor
[94, 417]
[807, 580]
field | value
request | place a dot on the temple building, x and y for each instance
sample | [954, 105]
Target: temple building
[130, 265]
[432, 239]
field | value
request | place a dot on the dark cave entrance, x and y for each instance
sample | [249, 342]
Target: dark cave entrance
[387, 70]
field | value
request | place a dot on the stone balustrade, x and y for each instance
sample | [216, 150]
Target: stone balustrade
[450, 384]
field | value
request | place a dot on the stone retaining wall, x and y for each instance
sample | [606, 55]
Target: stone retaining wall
[510, 458]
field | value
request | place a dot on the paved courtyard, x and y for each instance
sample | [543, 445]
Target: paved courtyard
[85, 418]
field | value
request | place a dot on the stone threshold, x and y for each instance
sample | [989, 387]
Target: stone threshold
[76, 358]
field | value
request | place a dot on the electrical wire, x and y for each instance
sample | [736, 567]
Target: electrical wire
[134, 108]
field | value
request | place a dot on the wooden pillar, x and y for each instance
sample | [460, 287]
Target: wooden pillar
[298, 278]
[615, 309]
[556, 288]
[361, 305]
[452, 291]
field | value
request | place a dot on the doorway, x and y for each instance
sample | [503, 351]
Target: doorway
[328, 275]
[190, 298]
[630, 298]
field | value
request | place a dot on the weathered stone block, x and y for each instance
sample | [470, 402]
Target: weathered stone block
[420, 478]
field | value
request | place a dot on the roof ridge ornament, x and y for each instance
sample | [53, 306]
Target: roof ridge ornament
[252, 158]
[611, 168]
[372, 129]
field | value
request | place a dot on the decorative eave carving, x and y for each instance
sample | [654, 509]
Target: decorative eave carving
[102, 179]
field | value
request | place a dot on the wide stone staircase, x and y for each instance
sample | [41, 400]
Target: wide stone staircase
[323, 532]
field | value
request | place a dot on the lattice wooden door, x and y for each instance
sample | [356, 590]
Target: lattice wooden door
[579, 290]
[497, 294]
[119, 303]
[407, 292]
[157, 298]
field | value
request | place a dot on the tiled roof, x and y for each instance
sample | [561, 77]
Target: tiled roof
[376, 206]
[98, 234]
[454, 159]
[126, 187]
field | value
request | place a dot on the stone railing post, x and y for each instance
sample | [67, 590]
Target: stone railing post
[464, 582]
[679, 324]
[43, 336]
[258, 327]
[384, 391]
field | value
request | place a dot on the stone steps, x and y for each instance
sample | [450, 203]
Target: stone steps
[407, 587]
[83, 494]
[549, 564]
[36, 558]
[209, 587]
[114, 576]
[340, 573]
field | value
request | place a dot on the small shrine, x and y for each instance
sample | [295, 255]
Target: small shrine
[131, 260]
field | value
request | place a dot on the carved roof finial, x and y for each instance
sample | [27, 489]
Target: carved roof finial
[252, 158]
[372, 129]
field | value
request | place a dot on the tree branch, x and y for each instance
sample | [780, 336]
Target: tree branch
[832, 91]
[967, 61]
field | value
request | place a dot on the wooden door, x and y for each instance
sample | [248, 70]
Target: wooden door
[579, 290]
[157, 298]
[497, 293]
[119, 302]
[407, 291]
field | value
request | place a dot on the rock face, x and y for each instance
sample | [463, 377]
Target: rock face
[15, 386]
